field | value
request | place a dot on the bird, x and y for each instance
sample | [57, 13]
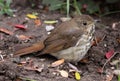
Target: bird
[70, 40]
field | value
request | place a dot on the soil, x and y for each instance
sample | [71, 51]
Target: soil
[19, 69]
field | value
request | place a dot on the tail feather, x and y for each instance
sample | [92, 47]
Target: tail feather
[34, 48]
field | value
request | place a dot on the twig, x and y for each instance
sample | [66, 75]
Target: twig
[109, 60]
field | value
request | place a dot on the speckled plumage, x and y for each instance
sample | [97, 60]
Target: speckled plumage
[70, 40]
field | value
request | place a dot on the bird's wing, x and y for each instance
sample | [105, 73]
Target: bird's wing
[63, 37]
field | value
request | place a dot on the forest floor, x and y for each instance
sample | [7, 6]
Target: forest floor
[107, 34]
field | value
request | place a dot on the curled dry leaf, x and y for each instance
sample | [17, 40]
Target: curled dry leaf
[6, 31]
[63, 73]
[57, 63]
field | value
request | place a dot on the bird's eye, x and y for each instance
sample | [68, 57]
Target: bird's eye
[84, 23]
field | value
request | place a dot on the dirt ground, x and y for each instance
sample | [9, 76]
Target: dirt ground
[18, 69]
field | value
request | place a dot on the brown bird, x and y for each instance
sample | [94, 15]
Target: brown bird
[70, 40]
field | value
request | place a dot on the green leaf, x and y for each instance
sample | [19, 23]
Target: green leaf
[1, 5]
[77, 7]
[46, 2]
[92, 8]
[118, 77]
[1, 1]
[54, 4]
[1, 12]
[8, 2]
[5, 7]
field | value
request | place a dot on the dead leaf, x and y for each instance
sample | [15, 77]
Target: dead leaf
[116, 72]
[57, 63]
[6, 31]
[109, 54]
[20, 26]
[23, 37]
[49, 28]
[51, 22]
[32, 16]
[115, 62]
[63, 73]
[96, 41]
[77, 76]
[37, 22]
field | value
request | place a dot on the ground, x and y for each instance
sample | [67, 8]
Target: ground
[19, 68]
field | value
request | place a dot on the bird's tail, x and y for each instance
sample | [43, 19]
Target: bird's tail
[34, 48]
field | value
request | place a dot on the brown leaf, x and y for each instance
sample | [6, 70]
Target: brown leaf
[37, 22]
[96, 41]
[23, 37]
[57, 63]
[6, 31]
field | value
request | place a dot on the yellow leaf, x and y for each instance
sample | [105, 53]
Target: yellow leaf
[50, 22]
[77, 76]
[31, 16]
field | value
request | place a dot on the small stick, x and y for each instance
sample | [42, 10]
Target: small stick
[109, 60]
